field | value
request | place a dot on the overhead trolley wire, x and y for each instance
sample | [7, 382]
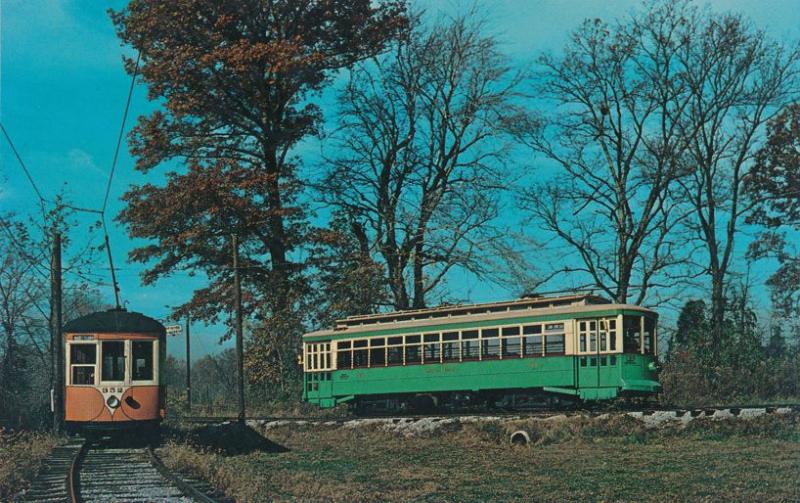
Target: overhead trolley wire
[121, 133]
[22, 165]
[102, 212]
[34, 261]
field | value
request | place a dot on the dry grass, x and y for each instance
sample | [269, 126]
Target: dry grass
[571, 459]
[20, 456]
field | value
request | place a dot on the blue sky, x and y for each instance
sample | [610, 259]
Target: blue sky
[63, 89]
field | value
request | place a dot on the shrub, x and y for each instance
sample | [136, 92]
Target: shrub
[21, 453]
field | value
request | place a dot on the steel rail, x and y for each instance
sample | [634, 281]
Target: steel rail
[73, 477]
[188, 489]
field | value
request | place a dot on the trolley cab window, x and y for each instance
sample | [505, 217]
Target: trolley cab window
[639, 334]
[142, 360]
[83, 358]
[113, 368]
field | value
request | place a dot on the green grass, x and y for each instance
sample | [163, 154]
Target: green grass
[20, 456]
[574, 459]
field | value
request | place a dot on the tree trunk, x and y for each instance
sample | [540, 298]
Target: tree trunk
[717, 311]
[398, 285]
[419, 279]
[623, 276]
[277, 244]
[395, 277]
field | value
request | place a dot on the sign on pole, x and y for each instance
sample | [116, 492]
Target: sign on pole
[174, 329]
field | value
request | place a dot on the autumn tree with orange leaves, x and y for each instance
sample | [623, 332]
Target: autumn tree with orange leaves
[235, 83]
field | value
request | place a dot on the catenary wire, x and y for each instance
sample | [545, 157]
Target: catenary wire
[22, 165]
[121, 133]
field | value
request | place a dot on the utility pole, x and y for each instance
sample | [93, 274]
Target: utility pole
[237, 286]
[56, 341]
[188, 369]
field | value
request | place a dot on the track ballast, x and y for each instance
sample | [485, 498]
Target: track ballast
[93, 471]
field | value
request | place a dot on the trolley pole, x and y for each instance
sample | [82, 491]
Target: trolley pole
[56, 341]
[237, 287]
[188, 369]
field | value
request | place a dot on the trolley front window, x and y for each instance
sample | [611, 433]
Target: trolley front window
[82, 359]
[83, 354]
[649, 336]
[113, 361]
[631, 334]
[142, 360]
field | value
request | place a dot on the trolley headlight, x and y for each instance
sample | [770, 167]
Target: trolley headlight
[113, 402]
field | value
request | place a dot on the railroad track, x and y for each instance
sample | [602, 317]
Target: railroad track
[87, 471]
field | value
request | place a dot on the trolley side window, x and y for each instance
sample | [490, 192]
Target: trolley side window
[490, 343]
[450, 346]
[344, 355]
[469, 345]
[360, 354]
[82, 358]
[113, 368]
[554, 338]
[142, 360]
[532, 340]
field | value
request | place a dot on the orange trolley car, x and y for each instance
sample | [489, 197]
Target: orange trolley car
[113, 364]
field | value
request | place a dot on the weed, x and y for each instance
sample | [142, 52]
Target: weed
[492, 432]
[576, 458]
[635, 438]
[21, 454]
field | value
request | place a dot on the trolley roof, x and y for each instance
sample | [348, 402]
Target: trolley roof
[114, 321]
[537, 305]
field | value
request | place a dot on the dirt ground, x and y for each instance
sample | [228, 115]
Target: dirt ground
[577, 459]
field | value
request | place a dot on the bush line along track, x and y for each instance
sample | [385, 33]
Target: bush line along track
[83, 471]
[678, 412]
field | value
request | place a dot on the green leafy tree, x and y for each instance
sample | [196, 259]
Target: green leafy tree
[776, 346]
[692, 325]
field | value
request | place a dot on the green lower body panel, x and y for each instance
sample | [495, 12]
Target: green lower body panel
[587, 378]
[562, 391]
[598, 393]
[641, 385]
[327, 403]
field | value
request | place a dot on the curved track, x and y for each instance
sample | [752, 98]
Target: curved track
[85, 471]
[53, 482]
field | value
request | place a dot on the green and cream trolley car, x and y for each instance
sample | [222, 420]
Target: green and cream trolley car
[536, 351]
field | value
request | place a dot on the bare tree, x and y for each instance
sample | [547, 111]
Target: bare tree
[25, 351]
[348, 280]
[617, 100]
[737, 80]
[774, 182]
[22, 293]
[425, 144]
